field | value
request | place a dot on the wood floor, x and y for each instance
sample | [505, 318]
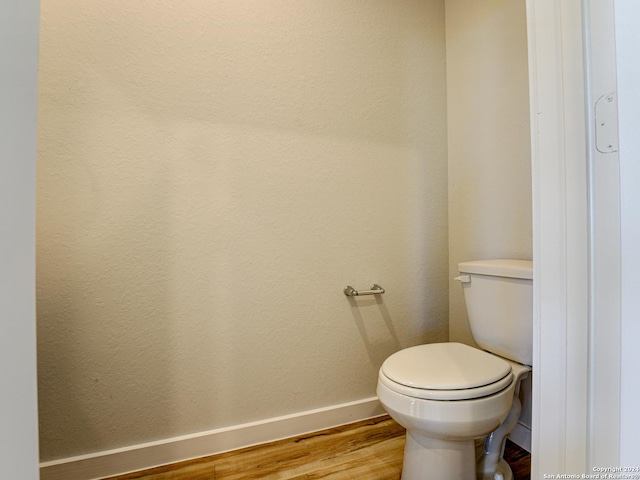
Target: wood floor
[368, 450]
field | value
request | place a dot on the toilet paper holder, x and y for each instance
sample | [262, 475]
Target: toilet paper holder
[374, 289]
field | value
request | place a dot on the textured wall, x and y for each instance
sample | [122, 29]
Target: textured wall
[489, 139]
[211, 174]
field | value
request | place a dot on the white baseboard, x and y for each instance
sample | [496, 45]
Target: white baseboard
[521, 435]
[171, 450]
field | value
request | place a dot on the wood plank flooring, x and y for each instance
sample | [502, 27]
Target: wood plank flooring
[370, 450]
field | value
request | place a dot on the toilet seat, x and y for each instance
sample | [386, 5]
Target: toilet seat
[445, 371]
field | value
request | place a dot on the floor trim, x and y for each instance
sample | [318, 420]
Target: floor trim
[177, 449]
[521, 436]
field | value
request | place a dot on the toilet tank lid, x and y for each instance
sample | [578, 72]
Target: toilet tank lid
[499, 267]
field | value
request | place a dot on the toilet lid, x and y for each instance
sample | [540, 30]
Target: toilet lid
[447, 371]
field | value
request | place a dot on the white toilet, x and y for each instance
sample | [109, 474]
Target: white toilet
[450, 396]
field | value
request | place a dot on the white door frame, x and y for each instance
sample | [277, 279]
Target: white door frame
[627, 25]
[19, 23]
[577, 255]
[560, 247]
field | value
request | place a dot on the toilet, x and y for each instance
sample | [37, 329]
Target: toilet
[458, 403]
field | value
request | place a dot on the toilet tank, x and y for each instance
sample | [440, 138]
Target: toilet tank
[498, 295]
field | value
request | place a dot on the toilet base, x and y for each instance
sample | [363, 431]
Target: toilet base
[428, 458]
[503, 471]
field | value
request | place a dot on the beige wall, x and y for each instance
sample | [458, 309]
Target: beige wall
[211, 174]
[489, 143]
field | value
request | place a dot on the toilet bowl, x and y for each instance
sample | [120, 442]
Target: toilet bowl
[450, 396]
